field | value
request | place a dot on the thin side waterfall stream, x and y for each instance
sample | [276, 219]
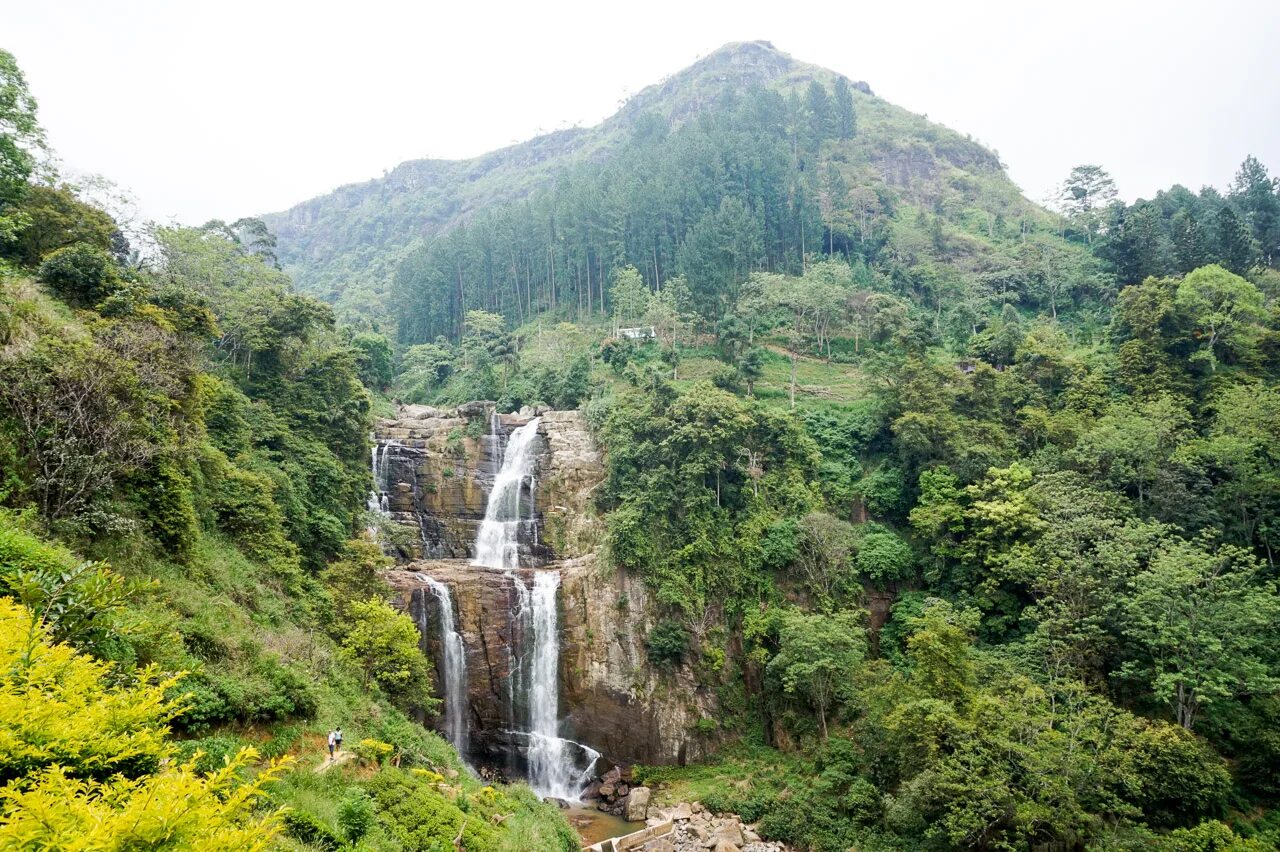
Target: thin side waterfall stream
[454, 668]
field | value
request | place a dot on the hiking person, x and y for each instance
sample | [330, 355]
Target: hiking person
[333, 741]
[337, 737]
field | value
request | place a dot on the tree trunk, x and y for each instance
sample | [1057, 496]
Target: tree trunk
[793, 379]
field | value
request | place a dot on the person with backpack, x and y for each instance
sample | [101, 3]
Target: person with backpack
[333, 741]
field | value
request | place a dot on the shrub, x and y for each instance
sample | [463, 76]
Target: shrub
[305, 828]
[80, 274]
[666, 643]
[79, 601]
[373, 751]
[355, 815]
[209, 754]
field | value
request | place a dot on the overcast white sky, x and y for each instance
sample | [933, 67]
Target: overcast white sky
[233, 108]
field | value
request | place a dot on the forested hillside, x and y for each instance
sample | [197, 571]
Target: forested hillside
[961, 512]
[963, 508]
[188, 600]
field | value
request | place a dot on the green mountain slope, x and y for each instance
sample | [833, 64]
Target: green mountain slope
[345, 247]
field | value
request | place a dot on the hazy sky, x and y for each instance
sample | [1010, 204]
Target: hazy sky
[232, 108]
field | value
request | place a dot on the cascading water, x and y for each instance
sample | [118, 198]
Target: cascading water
[553, 770]
[554, 762]
[380, 464]
[498, 542]
[454, 668]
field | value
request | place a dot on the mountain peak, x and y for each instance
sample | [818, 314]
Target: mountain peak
[733, 67]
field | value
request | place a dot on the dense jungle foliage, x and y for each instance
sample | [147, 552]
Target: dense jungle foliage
[964, 509]
[189, 601]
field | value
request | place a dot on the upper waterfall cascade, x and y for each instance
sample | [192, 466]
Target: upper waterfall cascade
[498, 542]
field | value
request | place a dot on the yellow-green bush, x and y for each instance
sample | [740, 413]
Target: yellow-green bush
[85, 759]
[61, 708]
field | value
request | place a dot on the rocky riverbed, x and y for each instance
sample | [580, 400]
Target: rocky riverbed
[695, 829]
[686, 827]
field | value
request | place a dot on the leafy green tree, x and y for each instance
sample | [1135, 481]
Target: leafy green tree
[750, 366]
[718, 254]
[629, 295]
[1239, 454]
[669, 311]
[383, 644]
[21, 137]
[424, 369]
[256, 238]
[56, 218]
[822, 118]
[355, 577]
[826, 556]
[1191, 245]
[1256, 193]
[1201, 615]
[1086, 192]
[1234, 246]
[882, 554]
[1226, 312]
[80, 274]
[816, 655]
[373, 359]
[1131, 445]
[845, 117]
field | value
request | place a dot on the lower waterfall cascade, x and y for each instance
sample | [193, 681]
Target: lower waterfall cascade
[553, 771]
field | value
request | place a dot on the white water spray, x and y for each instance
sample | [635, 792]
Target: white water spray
[498, 542]
[553, 761]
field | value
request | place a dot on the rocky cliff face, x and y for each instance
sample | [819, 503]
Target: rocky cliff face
[440, 469]
[614, 699]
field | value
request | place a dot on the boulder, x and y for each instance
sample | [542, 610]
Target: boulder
[723, 845]
[638, 804]
[682, 812]
[730, 830]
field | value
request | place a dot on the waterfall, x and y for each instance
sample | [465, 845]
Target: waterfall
[558, 767]
[453, 667]
[498, 542]
[553, 769]
[380, 464]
